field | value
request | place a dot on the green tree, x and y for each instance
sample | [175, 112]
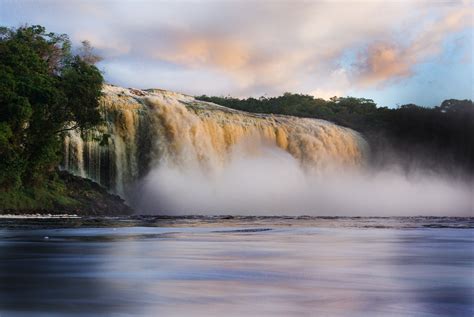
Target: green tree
[44, 91]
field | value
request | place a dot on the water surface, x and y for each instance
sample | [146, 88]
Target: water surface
[237, 266]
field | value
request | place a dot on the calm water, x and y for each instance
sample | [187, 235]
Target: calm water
[248, 266]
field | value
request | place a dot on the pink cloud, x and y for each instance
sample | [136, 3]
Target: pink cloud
[383, 62]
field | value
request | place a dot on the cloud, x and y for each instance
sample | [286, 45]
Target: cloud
[339, 79]
[383, 62]
[108, 45]
[253, 47]
[386, 61]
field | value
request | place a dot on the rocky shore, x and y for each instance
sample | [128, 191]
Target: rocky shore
[79, 196]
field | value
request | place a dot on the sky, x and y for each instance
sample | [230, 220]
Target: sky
[394, 52]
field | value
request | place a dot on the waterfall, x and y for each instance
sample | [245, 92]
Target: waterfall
[145, 129]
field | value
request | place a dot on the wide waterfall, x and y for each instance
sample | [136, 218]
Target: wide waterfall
[148, 129]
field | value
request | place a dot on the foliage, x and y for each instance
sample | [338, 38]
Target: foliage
[44, 90]
[63, 193]
[442, 134]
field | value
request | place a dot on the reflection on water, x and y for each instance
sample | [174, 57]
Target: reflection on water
[234, 271]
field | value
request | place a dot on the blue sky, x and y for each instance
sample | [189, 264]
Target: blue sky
[394, 52]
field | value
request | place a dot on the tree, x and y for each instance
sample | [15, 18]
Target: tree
[44, 90]
[87, 54]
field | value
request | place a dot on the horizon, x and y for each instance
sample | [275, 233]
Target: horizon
[394, 53]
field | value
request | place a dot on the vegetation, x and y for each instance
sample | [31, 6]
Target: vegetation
[441, 137]
[68, 195]
[45, 90]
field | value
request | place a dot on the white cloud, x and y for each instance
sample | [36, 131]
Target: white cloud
[339, 79]
[253, 47]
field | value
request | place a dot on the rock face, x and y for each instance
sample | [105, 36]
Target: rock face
[146, 128]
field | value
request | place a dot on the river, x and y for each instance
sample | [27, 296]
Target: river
[237, 266]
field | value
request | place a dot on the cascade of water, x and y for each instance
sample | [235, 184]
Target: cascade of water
[149, 128]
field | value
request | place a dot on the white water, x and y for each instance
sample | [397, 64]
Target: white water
[38, 216]
[169, 153]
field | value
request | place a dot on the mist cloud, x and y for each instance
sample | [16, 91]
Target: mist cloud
[273, 183]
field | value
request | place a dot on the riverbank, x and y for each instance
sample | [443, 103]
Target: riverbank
[67, 194]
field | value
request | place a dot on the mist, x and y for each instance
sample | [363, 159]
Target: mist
[269, 181]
